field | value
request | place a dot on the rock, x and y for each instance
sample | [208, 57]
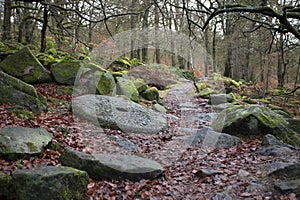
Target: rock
[275, 151]
[26, 67]
[7, 190]
[159, 108]
[295, 124]
[271, 140]
[202, 173]
[118, 113]
[112, 166]
[228, 194]
[50, 183]
[127, 88]
[210, 138]
[151, 94]
[140, 85]
[106, 84]
[243, 173]
[126, 144]
[289, 170]
[255, 187]
[205, 93]
[65, 72]
[289, 186]
[18, 92]
[216, 99]
[249, 120]
[19, 142]
[276, 167]
[207, 117]
[223, 106]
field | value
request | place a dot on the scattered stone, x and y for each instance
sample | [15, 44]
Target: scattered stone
[26, 67]
[118, 113]
[140, 85]
[223, 106]
[18, 92]
[65, 72]
[210, 138]
[19, 142]
[271, 140]
[159, 108]
[207, 117]
[243, 173]
[289, 186]
[289, 170]
[295, 124]
[112, 166]
[202, 173]
[126, 144]
[217, 99]
[255, 187]
[127, 88]
[276, 167]
[50, 183]
[275, 151]
[228, 194]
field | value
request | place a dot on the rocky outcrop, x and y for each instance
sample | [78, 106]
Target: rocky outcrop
[65, 72]
[16, 91]
[112, 166]
[20, 142]
[25, 66]
[50, 183]
[118, 113]
[249, 120]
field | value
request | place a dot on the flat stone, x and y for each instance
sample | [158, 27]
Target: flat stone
[19, 142]
[112, 166]
[118, 113]
[50, 183]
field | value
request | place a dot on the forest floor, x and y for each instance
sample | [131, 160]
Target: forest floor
[182, 163]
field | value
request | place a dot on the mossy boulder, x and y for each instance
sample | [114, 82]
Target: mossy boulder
[50, 183]
[126, 87]
[65, 90]
[140, 85]
[249, 120]
[106, 84]
[112, 166]
[65, 72]
[151, 94]
[26, 67]
[18, 92]
[7, 190]
[205, 93]
[21, 142]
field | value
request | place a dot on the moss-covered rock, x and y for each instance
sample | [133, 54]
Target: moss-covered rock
[65, 72]
[106, 84]
[18, 92]
[25, 66]
[65, 90]
[140, 85]
[249, 120]
[126, 87]
[48, 183]
[20, 142]
[6, 187]
[151, 94]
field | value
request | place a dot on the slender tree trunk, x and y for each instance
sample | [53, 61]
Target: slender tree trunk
[145, 36]
[6, 21]
[280, 70]
[297, 73]
[44, 28]
[156, 22]
[214, 48]
[133, 21]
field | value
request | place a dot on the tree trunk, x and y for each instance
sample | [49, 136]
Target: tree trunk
[280, 70]
[145, 36]
[214, 48]
[6, 21]
[297, 73]
[44, 28]
[156, 22]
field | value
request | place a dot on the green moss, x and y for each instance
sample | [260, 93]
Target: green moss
[106, 84]
[126, 87]
[23, 114]
[151, 94]
[31, 147]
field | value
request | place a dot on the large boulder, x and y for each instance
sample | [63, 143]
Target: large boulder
[112, 166]
[126, 87]
[25, 66]
[20, 142]
[118, 113]
[50, 183]
[65, 72]
[6, 187]
[151, 94]
[18, 92]
[106, 84]
[249, 120]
